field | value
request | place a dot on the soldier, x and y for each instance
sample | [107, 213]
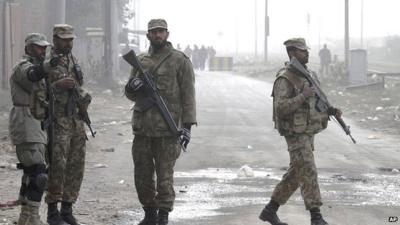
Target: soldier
[155, 149]
[298, 121]
[68, 156]
[325, 60]
[25, 131]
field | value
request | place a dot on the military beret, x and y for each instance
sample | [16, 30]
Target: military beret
[63, 31]
[298, 43]
[157, 23]
[37, 39]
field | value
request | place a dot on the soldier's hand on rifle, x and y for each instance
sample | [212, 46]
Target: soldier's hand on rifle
[65, 83]
[184, 138]
[308, 91]
[136, 84]
[332, 111]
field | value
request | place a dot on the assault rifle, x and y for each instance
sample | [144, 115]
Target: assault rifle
[322, 101]
[48, 122]
[75, 100]
[152, 94]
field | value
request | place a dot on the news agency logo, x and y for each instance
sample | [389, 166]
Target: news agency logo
[393, 219]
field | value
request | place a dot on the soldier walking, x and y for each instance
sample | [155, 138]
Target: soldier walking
[25, 131]
[68, 156]
[155, 149]
[297, 119]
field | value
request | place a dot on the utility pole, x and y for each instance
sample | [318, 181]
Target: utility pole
[346, 33]
[107, 39]
[56, 12]
[362, 24]
[266, 32]
[255, 29]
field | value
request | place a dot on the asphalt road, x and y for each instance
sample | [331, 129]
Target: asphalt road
[359, 183]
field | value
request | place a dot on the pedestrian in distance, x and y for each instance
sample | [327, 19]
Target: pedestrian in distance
[325, 60]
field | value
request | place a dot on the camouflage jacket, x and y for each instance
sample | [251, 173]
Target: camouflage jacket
[23, 127]
[292, 112]
[175, 82]
[64, 69]
[61, 97]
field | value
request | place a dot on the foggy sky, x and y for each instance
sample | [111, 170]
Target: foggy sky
[229, 25]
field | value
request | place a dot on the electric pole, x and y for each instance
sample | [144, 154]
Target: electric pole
[266, 32]
[255, 29]
[346, 33]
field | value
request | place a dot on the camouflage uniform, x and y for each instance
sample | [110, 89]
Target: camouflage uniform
[26, 133]
[68, 156]
[298, 121]
[155, 148]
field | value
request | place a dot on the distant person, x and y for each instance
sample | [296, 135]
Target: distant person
[196, 57]
[178, 47]
[203, 55]
[188, 51]
[211, 55]
[26, 132]
[325, 60]
[211, 52]
[155, 149]
[297, 119]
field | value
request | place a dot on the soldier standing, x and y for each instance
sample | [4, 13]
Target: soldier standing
[298, 121]
[325, 60]
[68, 156]
[25, 131]
[155, 149]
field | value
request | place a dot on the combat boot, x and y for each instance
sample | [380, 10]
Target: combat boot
[53, 215]
[316, 218]
[24, 215]
[162, 217]
[150, 216]
[34, 218]
[269, 214]
[66, 213]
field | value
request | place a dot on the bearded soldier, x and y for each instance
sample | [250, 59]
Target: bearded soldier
[155, 148]
[297, 119]
[25, 131]
[68, 156]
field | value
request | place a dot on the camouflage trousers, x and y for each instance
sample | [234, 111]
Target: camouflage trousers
[68, 161]
[29, 154]
[302, 173]
[154, 159]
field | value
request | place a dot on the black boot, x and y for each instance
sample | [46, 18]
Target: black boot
[316, 217]
[150, 216]
[66, 213]
[269, 214]
[53, 215]
[162, 217]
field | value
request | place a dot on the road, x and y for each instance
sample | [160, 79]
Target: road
[359, 183]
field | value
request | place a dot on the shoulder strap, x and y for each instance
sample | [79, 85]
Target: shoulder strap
[161, 62]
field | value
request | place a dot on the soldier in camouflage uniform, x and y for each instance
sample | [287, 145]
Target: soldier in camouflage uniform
[68, 156]
[25, 131]
[298, 121]
[155, 149]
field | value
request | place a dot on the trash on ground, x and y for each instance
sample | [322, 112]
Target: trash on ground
[245, 171]
[99, 165]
